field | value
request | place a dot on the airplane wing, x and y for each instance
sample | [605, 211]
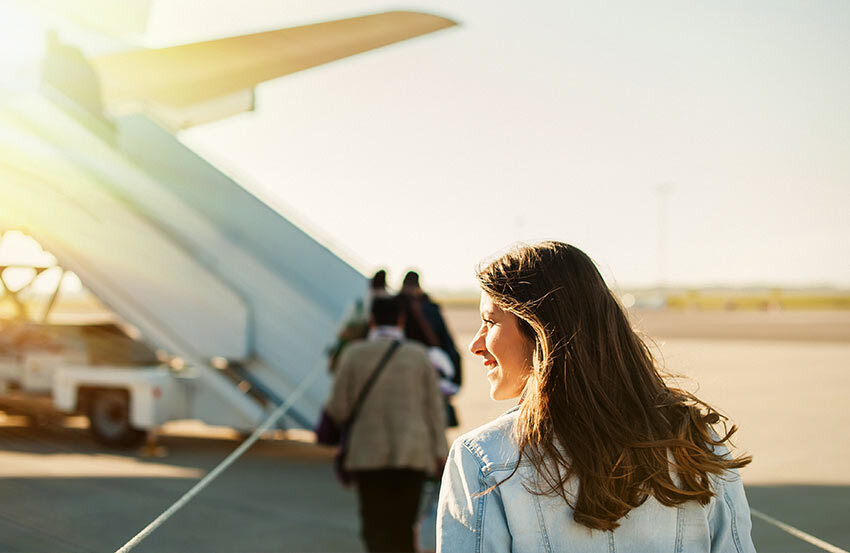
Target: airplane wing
[218, 76]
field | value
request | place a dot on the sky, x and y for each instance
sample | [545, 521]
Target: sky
[687, 143]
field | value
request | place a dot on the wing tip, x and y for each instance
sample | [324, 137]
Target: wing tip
[438, 21]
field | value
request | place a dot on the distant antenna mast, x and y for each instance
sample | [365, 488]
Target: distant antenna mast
[662, 193]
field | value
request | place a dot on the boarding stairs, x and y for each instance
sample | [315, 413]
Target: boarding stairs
[204, 269]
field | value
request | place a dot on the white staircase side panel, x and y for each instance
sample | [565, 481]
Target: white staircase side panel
[132, 266]
[295, 297]
[308, 266]
[292, 323]
[127, 261]
[298, 290]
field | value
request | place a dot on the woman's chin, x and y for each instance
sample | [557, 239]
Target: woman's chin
[498, 394]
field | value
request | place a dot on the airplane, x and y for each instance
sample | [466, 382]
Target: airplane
[236, 301]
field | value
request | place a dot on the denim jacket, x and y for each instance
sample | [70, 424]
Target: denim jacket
[510, 518]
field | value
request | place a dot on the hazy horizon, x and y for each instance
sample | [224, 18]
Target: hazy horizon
[561, 121]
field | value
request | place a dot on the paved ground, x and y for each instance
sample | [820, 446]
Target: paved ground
[280, 497]
[61, 492]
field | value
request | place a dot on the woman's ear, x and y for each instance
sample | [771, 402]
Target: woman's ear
[534, 354]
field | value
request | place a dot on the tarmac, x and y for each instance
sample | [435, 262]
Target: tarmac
[60, 491]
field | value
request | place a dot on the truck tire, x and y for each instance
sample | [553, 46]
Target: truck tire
[109, 419]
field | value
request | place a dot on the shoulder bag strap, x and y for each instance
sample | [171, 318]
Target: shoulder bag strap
[365, 391]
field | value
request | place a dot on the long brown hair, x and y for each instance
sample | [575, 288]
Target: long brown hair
[595, 407]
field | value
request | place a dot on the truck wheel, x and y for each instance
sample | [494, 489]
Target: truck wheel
[109, 419]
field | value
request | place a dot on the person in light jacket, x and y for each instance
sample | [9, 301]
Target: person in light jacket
[398, 436]
[600, 454]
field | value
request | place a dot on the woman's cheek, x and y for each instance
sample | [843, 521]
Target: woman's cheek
[490, 339]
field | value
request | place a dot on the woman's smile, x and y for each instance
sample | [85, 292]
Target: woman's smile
[505, 351]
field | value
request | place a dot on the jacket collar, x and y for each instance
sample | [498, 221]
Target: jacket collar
[392, 332]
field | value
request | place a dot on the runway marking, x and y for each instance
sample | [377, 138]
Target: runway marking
[796, 532]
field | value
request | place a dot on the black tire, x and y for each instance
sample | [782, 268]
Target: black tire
[109, 419]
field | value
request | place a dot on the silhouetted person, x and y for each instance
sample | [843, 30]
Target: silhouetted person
[356, 325]
[425, 322]
[378, 284]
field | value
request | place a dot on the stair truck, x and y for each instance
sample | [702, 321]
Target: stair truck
[234, 302]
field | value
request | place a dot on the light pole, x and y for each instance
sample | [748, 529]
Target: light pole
[662, 195]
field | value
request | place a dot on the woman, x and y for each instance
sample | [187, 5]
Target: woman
[600, 454]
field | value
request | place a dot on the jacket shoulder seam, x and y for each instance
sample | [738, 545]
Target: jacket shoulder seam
[477, 452]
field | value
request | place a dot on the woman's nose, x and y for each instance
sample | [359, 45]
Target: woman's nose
[476, 346]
